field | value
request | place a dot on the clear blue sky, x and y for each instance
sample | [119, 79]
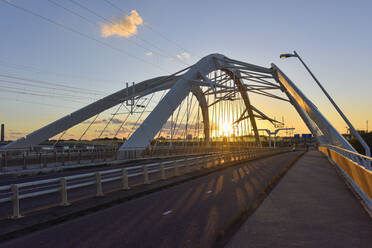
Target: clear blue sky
[333, 37]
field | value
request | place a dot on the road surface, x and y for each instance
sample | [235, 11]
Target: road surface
[191, 214]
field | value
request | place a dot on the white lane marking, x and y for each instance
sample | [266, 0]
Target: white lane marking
[210, 191]
[167, 212]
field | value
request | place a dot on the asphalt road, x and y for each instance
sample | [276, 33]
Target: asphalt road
[187, 215]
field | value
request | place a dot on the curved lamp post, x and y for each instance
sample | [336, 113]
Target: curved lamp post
[352, 129]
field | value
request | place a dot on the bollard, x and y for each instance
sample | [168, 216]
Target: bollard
[219, 159]
[15, 202]
[99, 184]
[175, 165]
[162, 171]
[145, 175]
[124, 180]
[64, 201]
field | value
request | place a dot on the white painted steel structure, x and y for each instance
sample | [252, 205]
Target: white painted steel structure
[192, 79]
[15, 192]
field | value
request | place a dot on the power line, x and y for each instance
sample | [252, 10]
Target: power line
[38, 103]
[52, 83]
[38, 94]
[150, 28]
[82, 34]
[43, 87]
[39, 70]
[111, 22]
[93, 22]
[50, 93]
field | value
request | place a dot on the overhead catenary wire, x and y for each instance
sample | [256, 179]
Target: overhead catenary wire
[61, 85]
[96, 24]
[29, 68]
[164, 53]
[36, 103]
[151, 28]
[81, 34]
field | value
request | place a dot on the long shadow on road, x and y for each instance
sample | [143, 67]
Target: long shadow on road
[191, 214]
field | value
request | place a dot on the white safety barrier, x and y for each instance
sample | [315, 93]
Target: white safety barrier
[16, 192]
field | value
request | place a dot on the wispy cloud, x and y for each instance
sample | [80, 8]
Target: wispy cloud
[126, 26]
[183, 55]
[148, 53]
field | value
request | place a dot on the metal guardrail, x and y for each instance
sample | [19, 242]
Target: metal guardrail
[352, 166]
[16, 192]
[27, 159]
[360, 159]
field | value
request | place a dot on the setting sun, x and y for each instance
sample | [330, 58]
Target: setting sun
[226, 129]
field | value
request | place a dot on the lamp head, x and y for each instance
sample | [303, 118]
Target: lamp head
[287, 55]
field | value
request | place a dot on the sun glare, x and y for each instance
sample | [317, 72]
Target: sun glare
[226, 129]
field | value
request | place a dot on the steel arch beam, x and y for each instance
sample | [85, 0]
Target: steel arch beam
[198, 93]
[139, 90]
[142, 137]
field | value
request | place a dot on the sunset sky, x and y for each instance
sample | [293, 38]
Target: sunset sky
[53, 61]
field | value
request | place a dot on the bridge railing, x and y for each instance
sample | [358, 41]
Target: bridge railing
[355, 168]
[27, 159]
[145, 174]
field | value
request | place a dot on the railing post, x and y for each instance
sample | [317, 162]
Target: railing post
[24, 161]
[45, 160]
[162, 171]
[64, 201]
[79, 158]
[124, 179]
[186, 162]
[175, 165]
[145, 175]
[5, 160]
[99, 184]
[40, 158]
[63, 157]
[15, 202]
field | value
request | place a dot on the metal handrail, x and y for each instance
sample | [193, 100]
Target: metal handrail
[348, 151]
[112, 175]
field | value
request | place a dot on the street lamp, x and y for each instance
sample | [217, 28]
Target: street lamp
[352, 129]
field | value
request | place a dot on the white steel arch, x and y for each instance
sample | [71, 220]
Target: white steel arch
[189, 80]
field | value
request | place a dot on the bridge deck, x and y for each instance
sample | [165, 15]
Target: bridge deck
[310, 207]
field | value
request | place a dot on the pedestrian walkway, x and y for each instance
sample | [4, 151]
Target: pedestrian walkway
[310, 207]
